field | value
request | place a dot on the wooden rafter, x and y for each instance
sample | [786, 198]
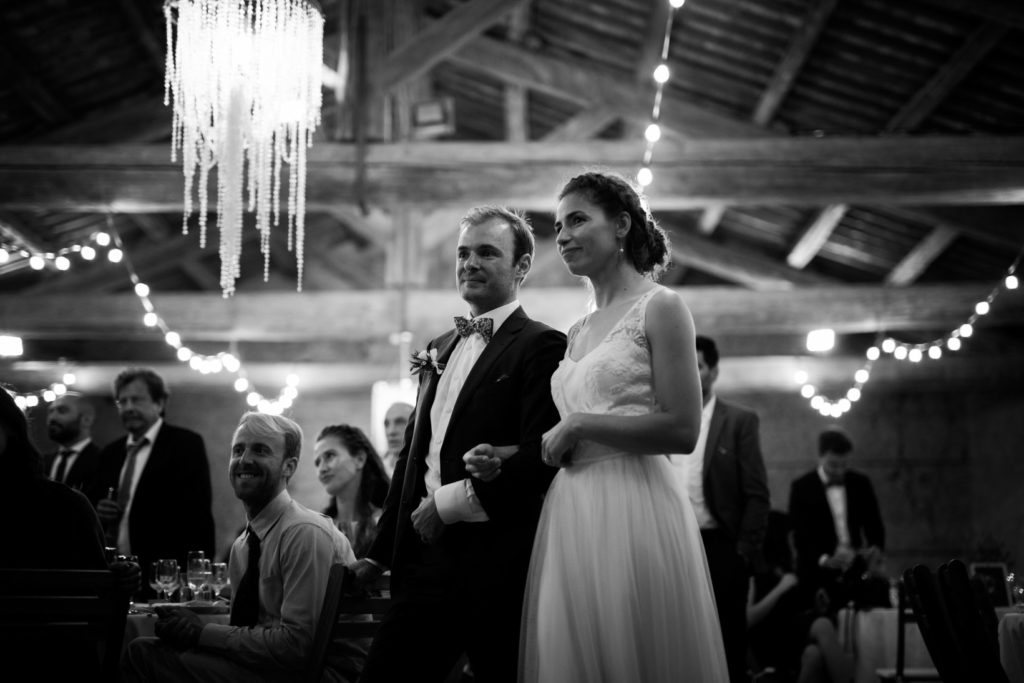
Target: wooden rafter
[921, 256]
[815, 236]
[130, 121]
[925, 100]
[586, 124]
[517, 115]
[801, 171]
[41, 99]
[796, 56]
[1009, 12]
[142, 30]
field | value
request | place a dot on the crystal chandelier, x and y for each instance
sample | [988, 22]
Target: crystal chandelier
[244, 77]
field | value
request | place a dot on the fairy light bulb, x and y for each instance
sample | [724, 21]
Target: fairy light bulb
[966, 330]
[184, 353]
[853, 394]
[62, 262]
[807, 390]
[953, 344]
[87, 253]
[141, 289]
[915, 355]
[861, 376]
[889, 345]
[115, 255]
[661, 73]
[150, 319]
[241, 384]
[5, 256]
[101, 238]
[873, 353]
[800, 377]
[1011, 282]
[676, 4]
[652, 133]
[644, 176]
[253, 399]
[981, 308]
[173, 339]
[31, 401]
[292, 380]
[36, 263]
[49, 396]
[69, 378]
[900, 353]
[934, 352]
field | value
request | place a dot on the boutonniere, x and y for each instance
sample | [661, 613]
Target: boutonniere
[423, 359]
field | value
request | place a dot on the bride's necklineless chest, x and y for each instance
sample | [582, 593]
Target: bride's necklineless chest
[596, 327]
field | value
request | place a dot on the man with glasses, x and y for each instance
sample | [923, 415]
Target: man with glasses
[153, 493]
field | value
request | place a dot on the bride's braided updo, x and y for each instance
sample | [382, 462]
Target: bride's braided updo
[646, 245]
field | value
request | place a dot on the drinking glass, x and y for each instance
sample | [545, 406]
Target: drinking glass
[154, 580]
[167, 575]
[218, 577]
[197, 573]
[131, 598]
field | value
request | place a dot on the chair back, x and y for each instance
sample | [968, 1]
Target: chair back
[51, 607]
[973, 628]
[930, 612]
[348, 620]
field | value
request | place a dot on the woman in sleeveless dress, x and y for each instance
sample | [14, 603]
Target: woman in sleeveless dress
[619, 588]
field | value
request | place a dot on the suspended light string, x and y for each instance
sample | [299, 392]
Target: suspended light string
[652, 134]
[64, 258]
[952, 342]
[223, 361]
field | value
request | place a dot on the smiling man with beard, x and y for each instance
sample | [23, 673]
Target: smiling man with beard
[153, 488]
[278, 570]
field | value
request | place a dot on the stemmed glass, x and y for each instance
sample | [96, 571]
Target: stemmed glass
[167, 575]
[218, 577]
[154, 580]
[198, 572]
[134, 559]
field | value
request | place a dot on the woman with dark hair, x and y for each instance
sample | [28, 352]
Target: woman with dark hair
[352, 473]
[619, 588]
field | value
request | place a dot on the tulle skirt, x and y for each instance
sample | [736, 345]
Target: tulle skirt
[618, 589]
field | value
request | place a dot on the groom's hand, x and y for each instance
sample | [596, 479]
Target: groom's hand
[427, 522]
[484, 461]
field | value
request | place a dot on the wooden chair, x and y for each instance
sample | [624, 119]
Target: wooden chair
[54, 607]
[974, 623]
[346, 619]
[901, 674]
[929, 605]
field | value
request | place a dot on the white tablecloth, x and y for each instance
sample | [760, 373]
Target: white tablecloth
[145, 624]
[1011, 645]
[870, 636]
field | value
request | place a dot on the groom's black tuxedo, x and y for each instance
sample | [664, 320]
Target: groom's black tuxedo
[464, 593]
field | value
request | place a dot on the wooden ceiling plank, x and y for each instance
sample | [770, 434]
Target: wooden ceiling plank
[517, 115]
[928, 98]
[913, 265]
[710, 218]
[986, 223]
[40, 98]
[1009, 12]
[815, 236]
[793, 61]
[439, 40]
[586, 124]
[130, 121]
[283, 316]
[154, 48]
[658, 14]
[899, 170]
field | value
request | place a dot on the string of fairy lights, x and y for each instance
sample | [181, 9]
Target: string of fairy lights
[206, 364]
[933, 350]
[661, 77]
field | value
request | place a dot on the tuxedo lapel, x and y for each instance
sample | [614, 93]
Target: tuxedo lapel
[445, 344]
[714, 434]
[504, 336]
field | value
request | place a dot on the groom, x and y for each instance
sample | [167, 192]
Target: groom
[459, 548]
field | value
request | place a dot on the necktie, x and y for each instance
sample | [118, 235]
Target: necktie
[63, 456]
[124, 490]
[245, 603]
[467, 326]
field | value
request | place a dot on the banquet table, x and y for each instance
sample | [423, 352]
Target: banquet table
[143, 623]
[1011, 645]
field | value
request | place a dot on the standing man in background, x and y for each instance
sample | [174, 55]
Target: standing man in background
[69, 421]
[728, 488]
[153, 493]
[396, 419]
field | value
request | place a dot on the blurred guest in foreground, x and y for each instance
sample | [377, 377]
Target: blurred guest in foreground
[153, 493]
[48, 526]
[838, 533]
[396, 419]
[278, 569]
[352, 474]
[69, 421]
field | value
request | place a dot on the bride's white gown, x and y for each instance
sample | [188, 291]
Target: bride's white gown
[618, 589]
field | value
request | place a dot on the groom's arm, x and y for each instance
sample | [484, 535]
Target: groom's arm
[524, 477]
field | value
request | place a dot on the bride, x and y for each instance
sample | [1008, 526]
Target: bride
[618, 587]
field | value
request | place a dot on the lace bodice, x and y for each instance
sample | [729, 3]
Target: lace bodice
[614, 378]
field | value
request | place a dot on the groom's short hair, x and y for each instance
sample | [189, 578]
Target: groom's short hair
[522, 233]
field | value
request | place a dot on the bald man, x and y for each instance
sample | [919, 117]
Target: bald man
[69, 421]
[396, 419]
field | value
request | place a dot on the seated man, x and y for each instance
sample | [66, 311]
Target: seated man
[278, 569]
[838, 533]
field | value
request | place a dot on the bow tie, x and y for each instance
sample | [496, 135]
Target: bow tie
[467, 326]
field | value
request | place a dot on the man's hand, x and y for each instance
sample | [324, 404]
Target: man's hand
[841, 559]
[427, 522]
[484, 461]
[787, 581]
[179, 626]
[557, 443]
[365, 573]
[128, 576]
[108, 511]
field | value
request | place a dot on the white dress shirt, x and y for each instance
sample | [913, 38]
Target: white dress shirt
[76, 450]
[836, 496]
[457, 501]
[141, 458]
[692, 465]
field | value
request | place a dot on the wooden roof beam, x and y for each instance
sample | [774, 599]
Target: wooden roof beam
[154, 48]
[586, 124]
[815, 236]
[1009, 12]
[928, 98]
[40, 98]
[921, 256]
[793, 61]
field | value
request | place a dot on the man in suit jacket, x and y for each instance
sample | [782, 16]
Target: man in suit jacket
[728, 488]
[69, 421]
[459, 548]
[154, 491]
[835, 516]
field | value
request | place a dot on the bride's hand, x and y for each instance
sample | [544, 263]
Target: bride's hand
[557, 443]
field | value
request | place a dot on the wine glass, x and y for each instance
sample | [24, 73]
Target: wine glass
[218, 577]
[154, 580]
[198, 572]
[167, 575]
[134, 559]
